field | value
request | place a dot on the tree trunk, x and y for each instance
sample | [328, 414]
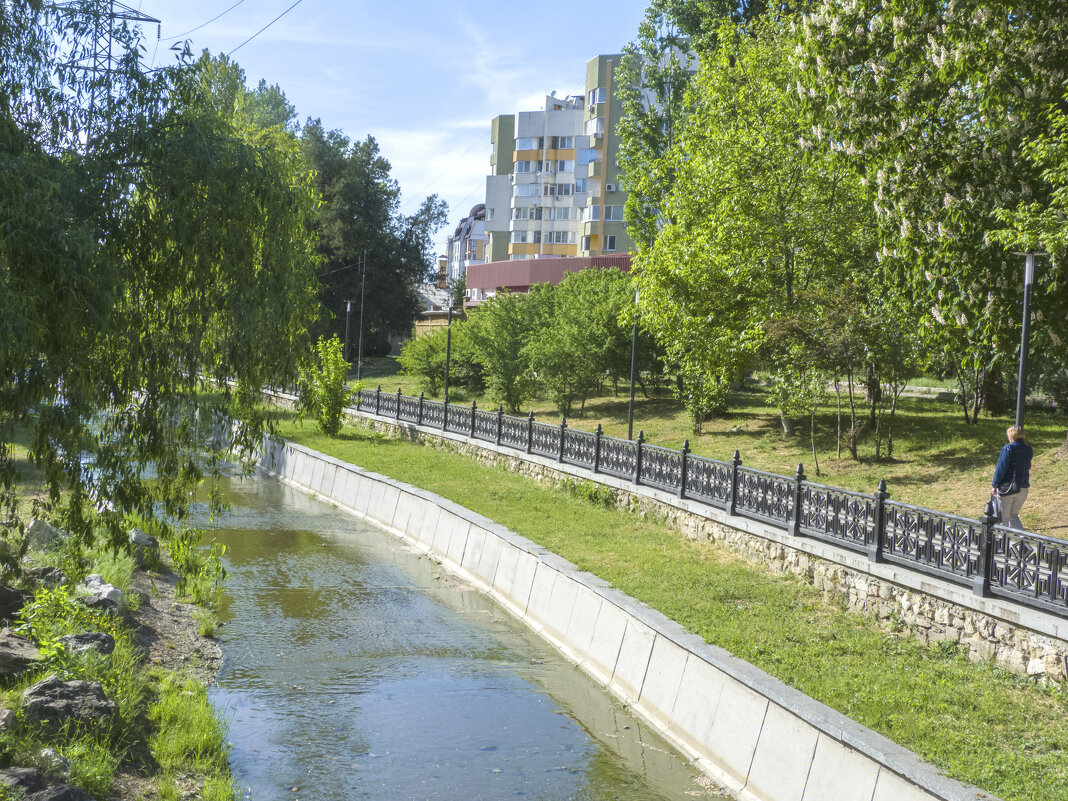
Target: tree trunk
[963, 395]
[1063, 452]
[812, 434]
[854, 435]
[838, 432]
[787, 425]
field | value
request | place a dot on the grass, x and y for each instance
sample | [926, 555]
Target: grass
[976, 722]
[940, 462]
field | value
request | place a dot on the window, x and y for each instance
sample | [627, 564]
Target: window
[563, 165]
[609, 243]
[530, 143]
[489, 215]
[587, 155]
[597, 95]
[521, 213]
[560, 237]
[562, 142]
[595, 126]
[580, 186]
[526, 237]
[591, 213]
[586, 242]
[564, 190]
[525, 190]
[524, 166]
[613, 213]
[561, 213]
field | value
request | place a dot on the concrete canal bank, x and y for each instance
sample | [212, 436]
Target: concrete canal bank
[748, 731]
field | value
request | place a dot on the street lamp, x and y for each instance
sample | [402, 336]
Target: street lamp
[363, 285]
[448, 357]
[633, 357]
[348, 311]
[1021, 384]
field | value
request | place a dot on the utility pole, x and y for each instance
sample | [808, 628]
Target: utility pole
[363, 286]
[633, 360]
[1025, 332]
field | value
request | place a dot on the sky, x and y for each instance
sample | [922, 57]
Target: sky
[423, 78]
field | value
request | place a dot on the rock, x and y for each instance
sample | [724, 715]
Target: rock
[43, 534]
[7, 718]
[48, 576]
[25, 779]
[60, 792]
[145, 548]
[1036, 667]
[98, 641]
[100, 594]
[16, 653]
[58, 701]
[53, 762]
[11, 602]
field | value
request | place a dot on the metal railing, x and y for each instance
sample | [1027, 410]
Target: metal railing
[990, 559]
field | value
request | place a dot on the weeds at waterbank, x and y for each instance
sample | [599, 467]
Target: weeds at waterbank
[164, 735]
[979, 723]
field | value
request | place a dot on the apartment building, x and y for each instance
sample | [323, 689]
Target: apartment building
[553, 190]
[467, 245]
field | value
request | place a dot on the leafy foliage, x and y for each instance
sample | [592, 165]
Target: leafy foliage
[323, 390]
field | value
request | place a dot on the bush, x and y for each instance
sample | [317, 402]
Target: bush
[323, 393]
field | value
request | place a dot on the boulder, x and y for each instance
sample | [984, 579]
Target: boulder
[53, 763]
[48, 576]
[100, 594]
[7, 718]
[99, 641]
[57, 701]
[25, 779]
[60, 792]
[43, 534]
[11, 602]
[145, 548]
[16, 653]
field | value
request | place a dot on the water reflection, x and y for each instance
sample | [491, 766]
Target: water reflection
[355, 669]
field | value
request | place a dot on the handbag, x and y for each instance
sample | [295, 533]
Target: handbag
[1009, 487]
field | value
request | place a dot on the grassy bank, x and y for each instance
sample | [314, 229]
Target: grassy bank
[939, 461]
[976, 722]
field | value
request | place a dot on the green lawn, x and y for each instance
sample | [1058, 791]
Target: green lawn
[939, 461]
[976, 722]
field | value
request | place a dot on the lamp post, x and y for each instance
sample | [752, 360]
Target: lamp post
[1025, 331]
[448, 356]
[633, 360]
[348, 312]
[363, 285]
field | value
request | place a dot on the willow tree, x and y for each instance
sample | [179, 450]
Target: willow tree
[155, 241]
[759, 216]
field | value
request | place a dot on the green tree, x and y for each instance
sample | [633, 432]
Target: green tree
[933, 103]
[323, 392]
[758, 216]
[499, 330]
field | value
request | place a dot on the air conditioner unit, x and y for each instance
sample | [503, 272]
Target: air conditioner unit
[609, 187]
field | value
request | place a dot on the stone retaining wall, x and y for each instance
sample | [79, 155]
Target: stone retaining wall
[1026, 641]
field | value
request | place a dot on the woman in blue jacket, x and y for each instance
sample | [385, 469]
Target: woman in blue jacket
[1014, 465]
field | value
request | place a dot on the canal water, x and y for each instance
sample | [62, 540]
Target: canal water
[356, 668]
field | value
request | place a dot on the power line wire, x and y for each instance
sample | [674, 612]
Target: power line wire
[265, 27]
[198, 27]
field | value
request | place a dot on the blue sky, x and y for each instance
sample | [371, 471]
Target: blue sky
[424, 78]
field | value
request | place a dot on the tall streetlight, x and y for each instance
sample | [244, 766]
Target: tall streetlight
[448, 357]
[1025, 331]
[348, 313]
[363, 285]
[633, 360]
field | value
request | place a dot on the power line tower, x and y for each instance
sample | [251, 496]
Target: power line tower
[104, 13]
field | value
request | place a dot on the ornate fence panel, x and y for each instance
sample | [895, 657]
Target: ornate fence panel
[486, 425]
[546, 440]
[409, 408]
[1030, 566]
[945, 544]
[434, 414]
[365, 401]
[387, 406]
[579, 447]
[842, 516]
[618, 457]
[708, 480]
[765, 496]
[661, 468]
[459, 419]
[514, 432]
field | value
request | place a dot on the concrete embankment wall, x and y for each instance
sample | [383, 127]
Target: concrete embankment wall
[756, 736]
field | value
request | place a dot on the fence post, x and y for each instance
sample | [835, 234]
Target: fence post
[875, 547]
[474, 409]
[398, 402]
[981, 580]
[597, 449]
[799, 478]
[420, 417]
[682, 468]
[735, 461]
[638, 457]
[563, 428]
[530, 430]
[378, 398]
[500, 423]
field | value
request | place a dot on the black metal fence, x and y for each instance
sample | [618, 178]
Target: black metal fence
[989, 558]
